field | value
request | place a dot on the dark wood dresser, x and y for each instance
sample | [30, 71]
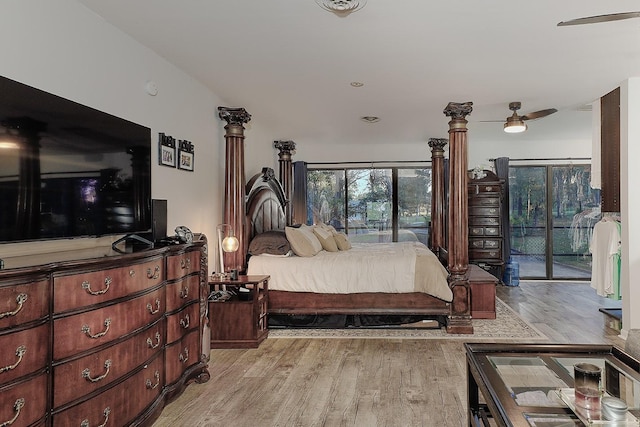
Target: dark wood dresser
[485, 222]
[102, 341]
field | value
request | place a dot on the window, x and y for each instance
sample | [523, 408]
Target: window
[372, 204]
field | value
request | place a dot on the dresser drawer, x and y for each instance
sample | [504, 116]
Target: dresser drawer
[484, 231]
[180, 323]
[23, 303]
[484, 211]
[25, 401]
[182, 292]
[79, 290]
[484, 244]
[79, 377]
[484, 188]
[478, 254]
[484, 201]
[117, 406]
[23, 352]
[180, 355]
[484, 221]
[183, 264]
[80, 332]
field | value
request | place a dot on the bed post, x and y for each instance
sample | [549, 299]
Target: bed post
[458, 228]
[234, 188]
[286, 150]
[437, 195]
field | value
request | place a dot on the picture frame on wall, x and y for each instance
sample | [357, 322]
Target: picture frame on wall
[167, 150]
[186, 156]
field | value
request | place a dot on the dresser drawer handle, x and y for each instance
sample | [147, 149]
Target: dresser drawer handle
[153, 274]
[151, 386]
[150, 307]
[184, 358]
[184, 293]
[20, 351]
[150, 342]
[185, 264]
[87, 287]
[17, 407]
[105, 413]
[20, 299]
[132, 273]
[86, 373]
[86, 329]
[185, 322]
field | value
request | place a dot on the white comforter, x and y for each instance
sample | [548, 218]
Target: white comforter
[379, 267]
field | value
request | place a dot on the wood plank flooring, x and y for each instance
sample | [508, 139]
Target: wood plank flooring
[371, 382]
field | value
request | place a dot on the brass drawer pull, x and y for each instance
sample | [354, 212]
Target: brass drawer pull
[185, 322]
[132, 273]
[151, 386]
[87, 287]
[153, 274]
[150, 342]
[20, 299]
[105, 413]
[86, 373]
[20, 351]
[150, 307]
[184, 293]
[17, 407]
[86, 329]
[184, 358]
[185, 264]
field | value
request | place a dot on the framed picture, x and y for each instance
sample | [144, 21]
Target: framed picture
[185, 156]
[167, 150]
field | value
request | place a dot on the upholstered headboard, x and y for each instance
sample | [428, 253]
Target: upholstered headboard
[265, 204]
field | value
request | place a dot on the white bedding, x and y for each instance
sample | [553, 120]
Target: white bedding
[400, 267]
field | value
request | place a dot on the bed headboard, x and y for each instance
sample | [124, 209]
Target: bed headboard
[265, 204]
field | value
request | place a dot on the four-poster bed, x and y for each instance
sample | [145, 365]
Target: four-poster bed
[267, 208]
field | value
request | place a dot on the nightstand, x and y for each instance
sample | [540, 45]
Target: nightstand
[240, 321]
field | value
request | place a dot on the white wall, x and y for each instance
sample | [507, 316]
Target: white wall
[65, 49]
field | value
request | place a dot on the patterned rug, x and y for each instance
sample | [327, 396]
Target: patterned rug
[507, 325]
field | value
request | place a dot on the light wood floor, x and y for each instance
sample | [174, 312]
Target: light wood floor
[367, 382]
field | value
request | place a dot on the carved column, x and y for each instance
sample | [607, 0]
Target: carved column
[437, 195]
[287, 149]
[234, 191]
[458, 229]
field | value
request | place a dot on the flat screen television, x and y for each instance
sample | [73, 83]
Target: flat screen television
[68, 170]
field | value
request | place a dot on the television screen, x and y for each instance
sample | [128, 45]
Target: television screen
[68, 170]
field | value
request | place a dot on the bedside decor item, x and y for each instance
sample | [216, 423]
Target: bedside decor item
[226, 243]
[167, 150]
[185, 155]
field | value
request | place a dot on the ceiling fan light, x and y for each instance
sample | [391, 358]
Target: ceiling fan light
[341, 7]
[515, 126]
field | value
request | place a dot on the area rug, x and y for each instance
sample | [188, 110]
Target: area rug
[507, 325]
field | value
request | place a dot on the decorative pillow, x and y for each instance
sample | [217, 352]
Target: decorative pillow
[327, 227]
[303, 242]
[342, 241]
[272, 242]
[326, 239]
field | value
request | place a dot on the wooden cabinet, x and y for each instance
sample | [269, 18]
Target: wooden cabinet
[102, 341]
[241, 321]
[485, 222]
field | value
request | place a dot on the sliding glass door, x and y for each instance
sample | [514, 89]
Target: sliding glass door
[552, 213]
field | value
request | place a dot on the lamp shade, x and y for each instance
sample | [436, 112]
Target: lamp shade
[230, 244]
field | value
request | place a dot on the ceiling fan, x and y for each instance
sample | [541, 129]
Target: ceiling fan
[516, 123]
[600, 18]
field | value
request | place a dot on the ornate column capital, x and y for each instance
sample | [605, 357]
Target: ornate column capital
[437, 145]
[287, 148]
[458, 112]
[234, 116]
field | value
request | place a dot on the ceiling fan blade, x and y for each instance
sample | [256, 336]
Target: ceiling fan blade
[600, 18]
[538, 114]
